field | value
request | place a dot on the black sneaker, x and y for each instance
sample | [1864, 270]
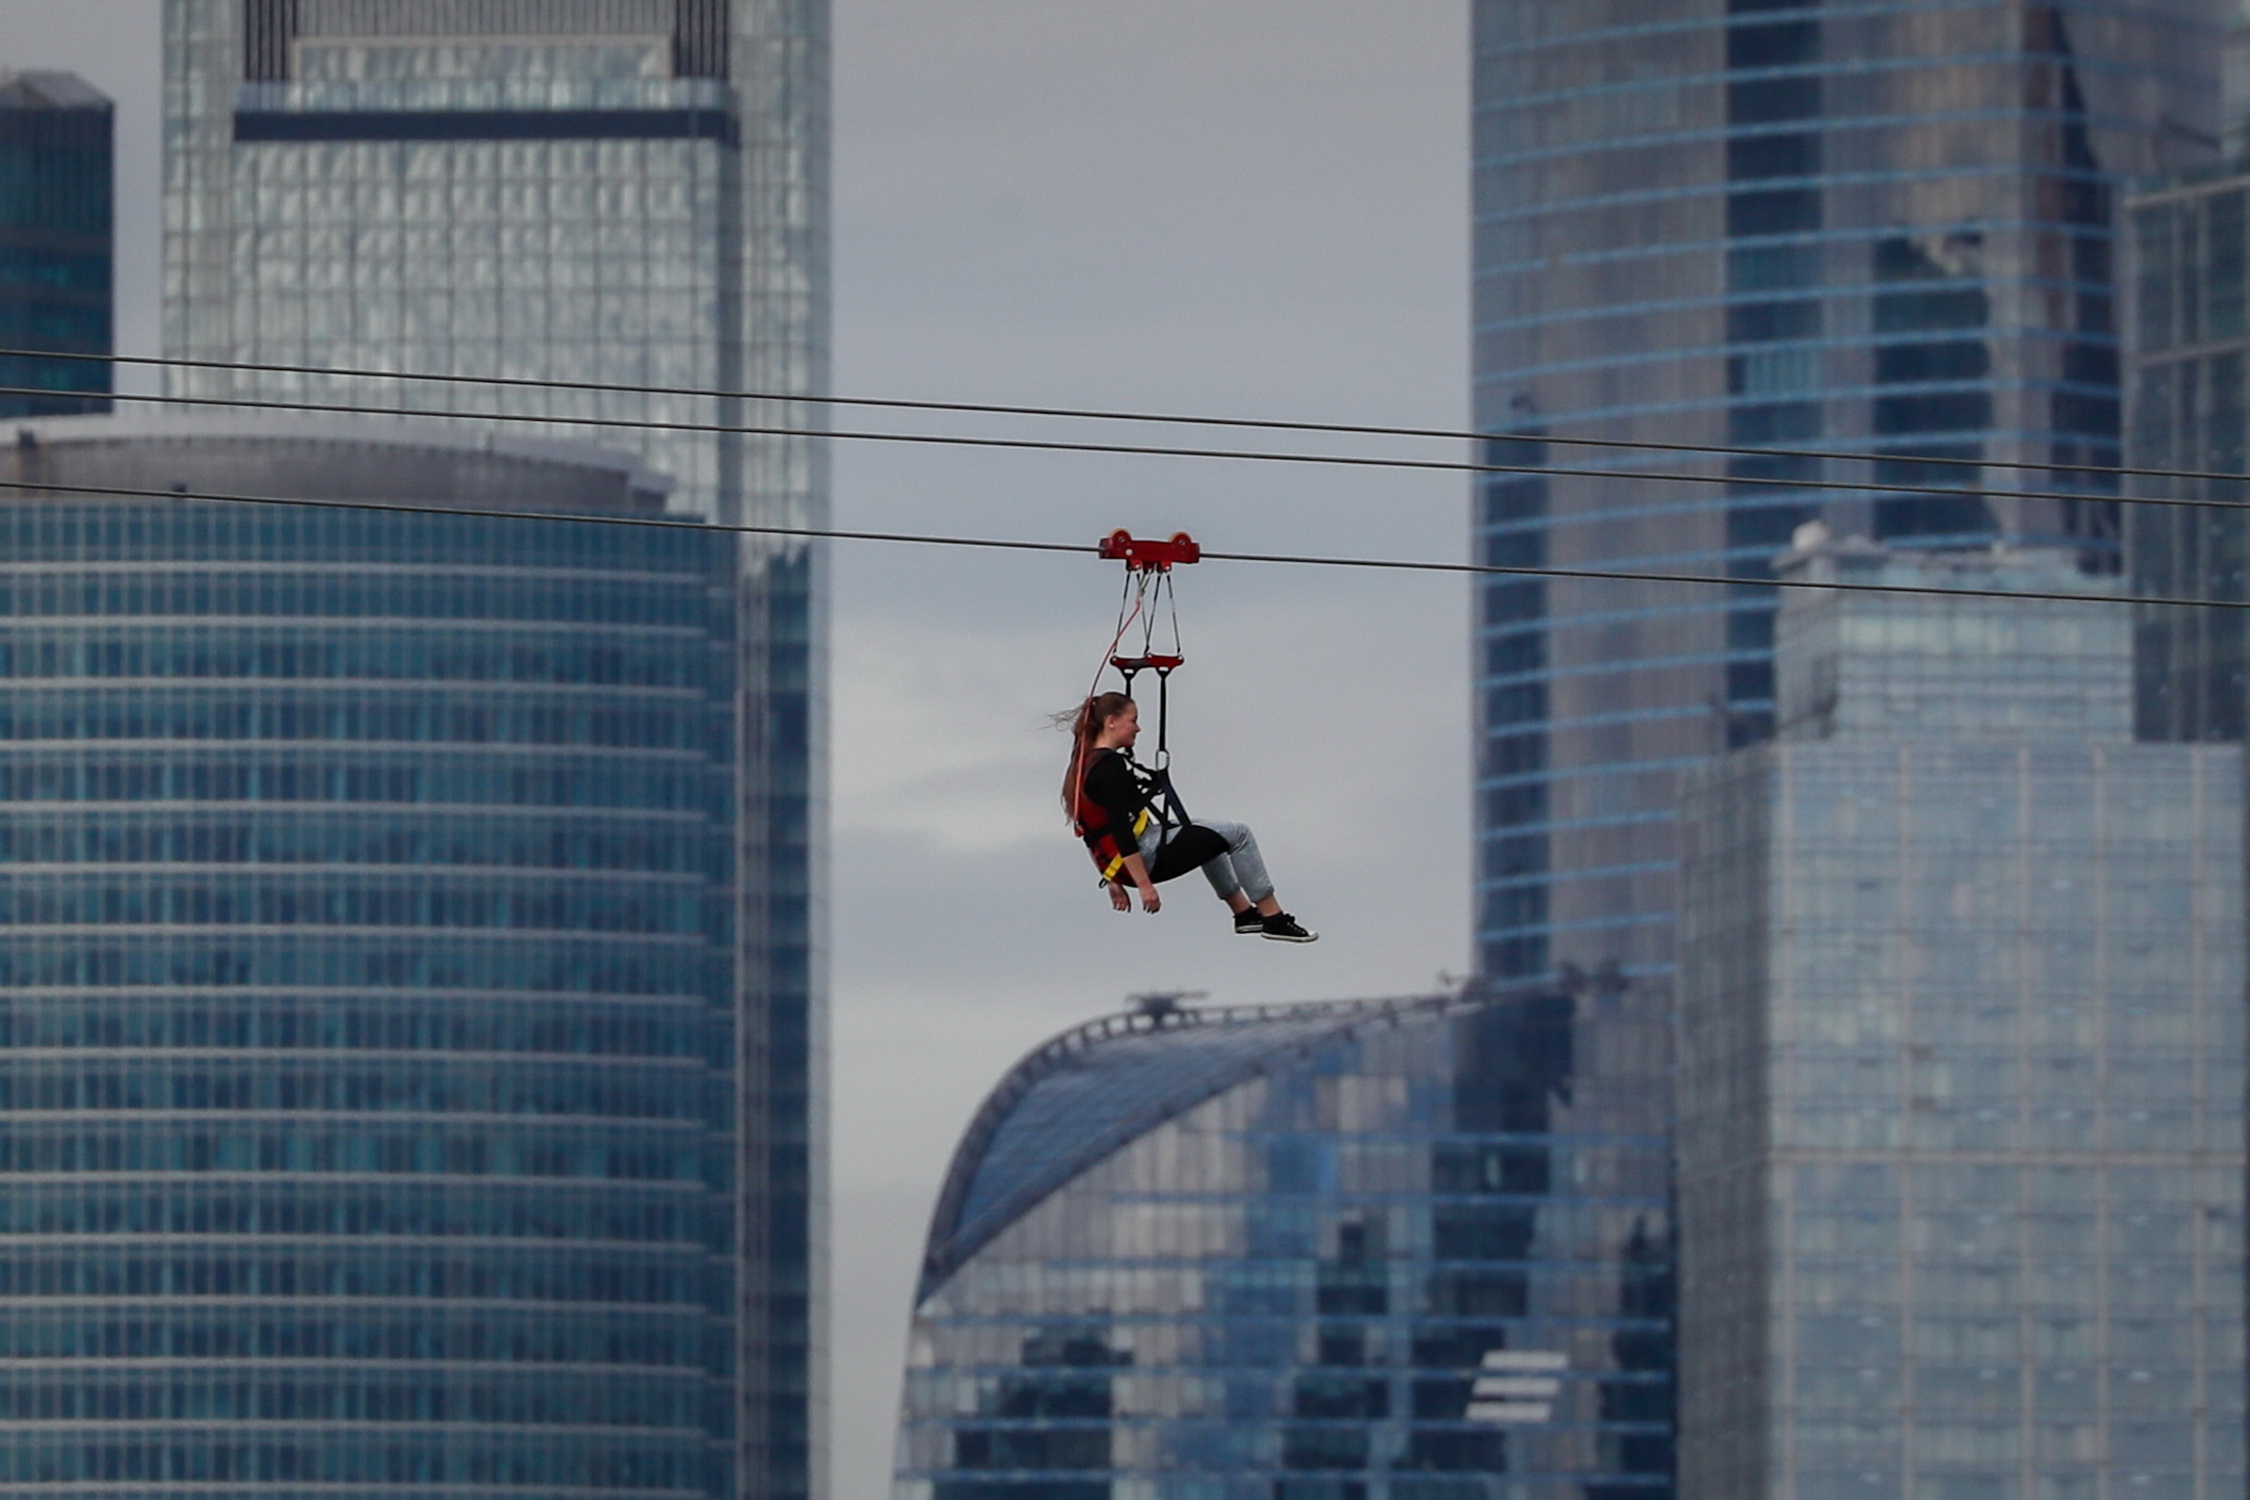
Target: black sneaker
[1247, 922]
[1283, 928]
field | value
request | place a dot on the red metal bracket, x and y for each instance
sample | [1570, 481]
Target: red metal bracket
[1143, 555]
[1131, 664]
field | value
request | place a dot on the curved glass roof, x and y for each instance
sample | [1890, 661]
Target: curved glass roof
[1094, 1089]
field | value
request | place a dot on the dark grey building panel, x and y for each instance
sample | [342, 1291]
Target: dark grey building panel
[57, 243]
[2189, 413]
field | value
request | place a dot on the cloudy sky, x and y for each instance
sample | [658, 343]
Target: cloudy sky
[1253, 208]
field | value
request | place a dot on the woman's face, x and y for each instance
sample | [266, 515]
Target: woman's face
[1123, 727]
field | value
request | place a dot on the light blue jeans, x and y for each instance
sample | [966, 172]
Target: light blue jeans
[1241, 868]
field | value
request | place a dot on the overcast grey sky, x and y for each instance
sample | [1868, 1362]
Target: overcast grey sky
[1254, 208]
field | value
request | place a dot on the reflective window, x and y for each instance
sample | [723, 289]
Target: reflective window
[1308, 1251]
[368, 1108]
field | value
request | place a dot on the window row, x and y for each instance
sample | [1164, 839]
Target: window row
[697, 601]
[285, 653]
[389, 838]
[438, 1458]
[675, 1338]
[614, 1400]
[247, 775]
[505, 1275]
[411, 717]
[545, 1211]
[616, 1153]
[213, 532]
[411, 1023]
[602, 1090]
[559, 965]
[674, 907]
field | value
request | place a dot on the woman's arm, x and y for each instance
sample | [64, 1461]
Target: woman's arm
[1136, 870]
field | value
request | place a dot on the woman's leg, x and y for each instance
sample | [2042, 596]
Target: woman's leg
[1239, 875]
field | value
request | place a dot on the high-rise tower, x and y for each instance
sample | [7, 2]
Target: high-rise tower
[2188, 412]
[621, 192]
[57, 245]
[1760, 225]
[1766, 224]
[1961, 1063]
[369, 1095]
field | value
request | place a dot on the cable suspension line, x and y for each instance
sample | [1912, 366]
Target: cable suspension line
[810, 533]
[1002, 409]
[1057, 445]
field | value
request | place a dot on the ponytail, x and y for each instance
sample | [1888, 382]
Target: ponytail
[1085, 723]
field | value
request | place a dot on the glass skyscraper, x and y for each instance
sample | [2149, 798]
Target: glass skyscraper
[371, 1095]
[2189, 412]
[56, 242]
[1766, 223]
[1962, 1062]
[630, 192]
[1312, 1252]
[1761, 225]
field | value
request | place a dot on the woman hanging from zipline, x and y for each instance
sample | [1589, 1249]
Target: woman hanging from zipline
[1140, 836]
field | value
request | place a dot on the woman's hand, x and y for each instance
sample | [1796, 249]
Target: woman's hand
[1118, 898]
[1150, 901]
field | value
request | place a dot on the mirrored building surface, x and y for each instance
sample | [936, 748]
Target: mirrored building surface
[370, 1095]
[1767, 224]
[1765, 227]
[57, 243]
[604, 193]
[1363, 1251]
[1961, 1077]
[2191, 238]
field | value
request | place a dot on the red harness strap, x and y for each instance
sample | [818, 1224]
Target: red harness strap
[1103, 842]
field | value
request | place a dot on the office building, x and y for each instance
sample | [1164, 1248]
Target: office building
[1359, 1251]
[370, 1093]
[1766, 224]
[1961, 1074]
[1757, 225]
[628, 193]
[2188, 412]
[56, 242]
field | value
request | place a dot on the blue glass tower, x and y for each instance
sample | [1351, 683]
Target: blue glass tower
[629, 194]
[371, 1101]
[56, 241]
[2192, 239]
[1961, 1063]
[1752, 224]
[1761, 225]
[1317, 1252]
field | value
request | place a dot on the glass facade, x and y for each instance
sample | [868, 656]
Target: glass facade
[370, 1100]
[2190, 343]
[1765, 223]
[1878, 228]
[1962, 1065]
[1356, 1251]
[56, 241]
[629, 192]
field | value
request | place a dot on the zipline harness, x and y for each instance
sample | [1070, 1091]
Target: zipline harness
[1148, 586]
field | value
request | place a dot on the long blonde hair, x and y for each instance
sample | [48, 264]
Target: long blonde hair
[1085, 721]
